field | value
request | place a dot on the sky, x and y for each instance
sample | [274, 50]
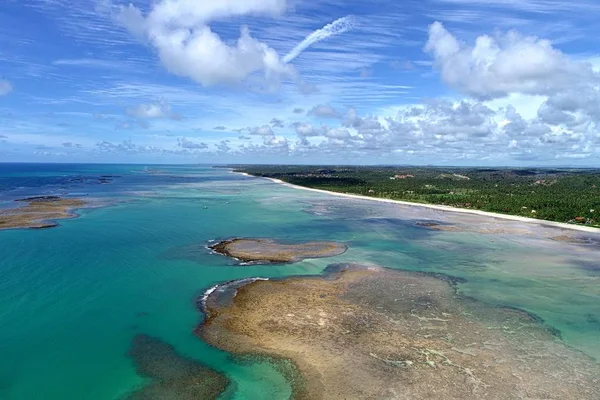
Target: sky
[442, 82]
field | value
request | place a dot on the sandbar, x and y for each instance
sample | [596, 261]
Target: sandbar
[372, 333]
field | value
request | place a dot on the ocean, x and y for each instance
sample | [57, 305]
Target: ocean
[73, 297]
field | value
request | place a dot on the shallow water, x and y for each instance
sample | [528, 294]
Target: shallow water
[74, 297]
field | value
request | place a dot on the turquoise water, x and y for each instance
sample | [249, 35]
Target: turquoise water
[72, 298]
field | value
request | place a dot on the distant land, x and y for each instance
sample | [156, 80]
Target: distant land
[565, 195]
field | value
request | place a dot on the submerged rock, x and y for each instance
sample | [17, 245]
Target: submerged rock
[267, 250]
[173, 377]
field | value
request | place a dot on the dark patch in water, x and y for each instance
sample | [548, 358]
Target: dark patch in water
[45, 226]
[39, 199]
[592, 267]
[173, 377]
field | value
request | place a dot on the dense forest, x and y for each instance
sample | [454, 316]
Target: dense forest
[564, 195]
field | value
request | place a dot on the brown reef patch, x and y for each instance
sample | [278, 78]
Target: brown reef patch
[374, 333]
[266, 250]
[173, 376]
[39, 212]
[486, 230]
[588, 240]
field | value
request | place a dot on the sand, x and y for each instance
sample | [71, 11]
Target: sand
[441, 208]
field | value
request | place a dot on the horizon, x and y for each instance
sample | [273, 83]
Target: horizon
[446, 82]
[233, 165]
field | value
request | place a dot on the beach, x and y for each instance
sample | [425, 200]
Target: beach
[554, 224]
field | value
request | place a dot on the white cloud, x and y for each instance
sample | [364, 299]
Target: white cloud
[160, 109]
[277, 123]
[179, 31]
[190, 144]
[89, 63]
[324, 111]
[5, 87]
[498, 66]
[337, 27]
[307, 130]
[72, 145]
[264, 130]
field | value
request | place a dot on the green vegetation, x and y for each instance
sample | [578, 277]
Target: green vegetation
[563, 195]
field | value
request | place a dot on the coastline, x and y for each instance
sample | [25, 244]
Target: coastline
[543, 223]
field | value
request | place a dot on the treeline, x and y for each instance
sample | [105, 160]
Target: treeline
[564, 195]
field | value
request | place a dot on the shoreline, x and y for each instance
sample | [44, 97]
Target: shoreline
[541, 222]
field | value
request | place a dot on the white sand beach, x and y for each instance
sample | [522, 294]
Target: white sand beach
[540, 222]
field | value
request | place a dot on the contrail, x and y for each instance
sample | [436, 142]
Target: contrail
[335, 28]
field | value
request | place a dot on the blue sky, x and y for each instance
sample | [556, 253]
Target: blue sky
[449, 82]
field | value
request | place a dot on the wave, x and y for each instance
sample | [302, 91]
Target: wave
[223, 287]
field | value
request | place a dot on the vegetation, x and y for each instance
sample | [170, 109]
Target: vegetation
[563, 195]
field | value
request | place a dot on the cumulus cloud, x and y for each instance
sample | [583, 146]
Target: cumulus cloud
[277, 123]
[223, 146]
[159, 109]
[127, 146]
[298, 110]
[186, 45]
[264, 130]
[185, 143]
[323, 111]
[126, 125]
[219, 128]
[5, 87]
[451, 131]
[72, 145]
[100, 116]
[509, 63]
[307, 130]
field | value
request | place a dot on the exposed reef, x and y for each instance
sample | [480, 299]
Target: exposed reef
[374, 333]
[481, 228]
[172, 376]
[266, 250]
[39, 212]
